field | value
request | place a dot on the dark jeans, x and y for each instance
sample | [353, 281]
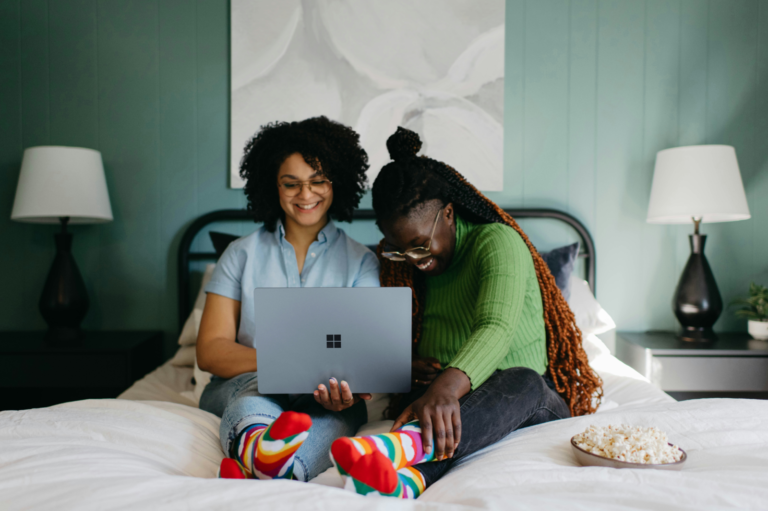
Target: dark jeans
[509, 400]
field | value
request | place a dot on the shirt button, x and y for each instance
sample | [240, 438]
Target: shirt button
[312, 254]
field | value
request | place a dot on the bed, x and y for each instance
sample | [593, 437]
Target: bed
[153, 448]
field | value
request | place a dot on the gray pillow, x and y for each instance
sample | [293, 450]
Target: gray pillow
[561, 262]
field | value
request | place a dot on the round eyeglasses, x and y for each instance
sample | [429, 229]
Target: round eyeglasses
[318, 185]
[416, 253]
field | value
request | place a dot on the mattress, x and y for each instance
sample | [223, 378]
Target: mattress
[157, 450]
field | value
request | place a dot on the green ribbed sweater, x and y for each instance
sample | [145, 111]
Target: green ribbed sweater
[485, 312]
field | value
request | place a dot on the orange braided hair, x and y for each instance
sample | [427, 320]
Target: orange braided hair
[568, 366]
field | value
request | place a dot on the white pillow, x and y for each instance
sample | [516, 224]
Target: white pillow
[201, 380]
[188, 335]
[591, 318]
[185, 357]
[594, 347]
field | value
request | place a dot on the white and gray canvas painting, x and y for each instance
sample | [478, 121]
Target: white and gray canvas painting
[433, 66]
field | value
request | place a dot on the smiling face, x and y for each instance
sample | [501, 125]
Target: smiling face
[414, 229]
[309, 208]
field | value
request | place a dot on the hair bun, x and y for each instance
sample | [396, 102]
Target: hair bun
[403, 144]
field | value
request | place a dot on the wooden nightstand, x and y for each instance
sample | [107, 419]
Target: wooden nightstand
[35, 374]
[733, 366]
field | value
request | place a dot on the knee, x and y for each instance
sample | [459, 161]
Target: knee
[522, 377]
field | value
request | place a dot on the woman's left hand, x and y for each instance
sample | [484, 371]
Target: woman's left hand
[337, 396]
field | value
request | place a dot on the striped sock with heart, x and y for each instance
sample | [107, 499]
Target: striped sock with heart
[383, 463]
[373, 474]
[267, 451]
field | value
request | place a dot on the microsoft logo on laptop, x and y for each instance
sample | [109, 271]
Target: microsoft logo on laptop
[333, 341]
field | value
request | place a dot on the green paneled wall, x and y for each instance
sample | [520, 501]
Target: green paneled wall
[594, 88]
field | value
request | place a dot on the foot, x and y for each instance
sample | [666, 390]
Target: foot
[344, 454]
[277, 446]
[231, 469]
[373, 474]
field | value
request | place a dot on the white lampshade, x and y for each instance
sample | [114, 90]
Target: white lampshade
[700, 181]
[59, 182]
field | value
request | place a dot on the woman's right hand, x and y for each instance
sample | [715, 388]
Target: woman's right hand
[425, 370]
[338, 396]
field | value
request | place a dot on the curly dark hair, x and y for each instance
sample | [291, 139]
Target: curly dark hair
[408, 182]
[329, 147]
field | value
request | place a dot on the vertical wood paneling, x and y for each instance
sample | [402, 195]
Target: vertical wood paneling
[36, 130]
[692, 118]
[35, 73]
[213, 111]
[12, 302]
[693, 72]
[758, 183]
[74, 120]
[132, 256]
[73, 83]
[621, 173]
[593, 89]
[731, 120]
[514, 113]
[582, 100]
[178, 148]
[545, 149]
[660, 131]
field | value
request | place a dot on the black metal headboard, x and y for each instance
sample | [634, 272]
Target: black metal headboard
[186, 256]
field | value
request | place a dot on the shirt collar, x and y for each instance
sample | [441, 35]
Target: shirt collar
[327, 234]
[463, 228]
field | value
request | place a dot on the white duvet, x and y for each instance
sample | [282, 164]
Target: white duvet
[123, 454]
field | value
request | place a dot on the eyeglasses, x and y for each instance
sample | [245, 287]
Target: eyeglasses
[414, 253]
[293, 188]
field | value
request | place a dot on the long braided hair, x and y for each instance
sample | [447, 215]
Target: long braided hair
[412, 180]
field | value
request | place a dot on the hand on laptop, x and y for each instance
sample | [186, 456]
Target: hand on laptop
[425, 370]
[337, 397]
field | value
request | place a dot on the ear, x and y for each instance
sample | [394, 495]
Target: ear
[450, 215]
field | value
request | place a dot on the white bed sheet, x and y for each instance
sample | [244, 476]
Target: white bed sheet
[163, 453]
[623, 387]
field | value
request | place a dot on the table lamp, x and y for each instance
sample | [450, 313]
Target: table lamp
[63, 185]
[697, 184]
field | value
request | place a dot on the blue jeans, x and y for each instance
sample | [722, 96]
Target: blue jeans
[238, 402]
[509, 400]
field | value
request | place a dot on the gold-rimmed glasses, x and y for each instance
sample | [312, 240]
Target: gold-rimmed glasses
[416, 253]
[319, 185]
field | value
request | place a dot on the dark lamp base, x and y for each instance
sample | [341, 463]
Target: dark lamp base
[694, 334]
[63, 336]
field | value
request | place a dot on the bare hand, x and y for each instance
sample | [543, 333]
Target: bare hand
[337, 397]
[425, 370]
[438, 412]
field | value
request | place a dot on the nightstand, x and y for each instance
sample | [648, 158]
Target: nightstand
[733, 366]
[34, 374]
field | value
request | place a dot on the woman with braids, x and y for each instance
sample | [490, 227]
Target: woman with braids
[496, 347]
[298, 176]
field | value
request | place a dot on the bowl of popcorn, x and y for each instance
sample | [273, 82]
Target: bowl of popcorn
[627, 447]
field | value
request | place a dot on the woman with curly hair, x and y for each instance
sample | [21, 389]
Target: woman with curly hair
[496, 347]
[299, 176]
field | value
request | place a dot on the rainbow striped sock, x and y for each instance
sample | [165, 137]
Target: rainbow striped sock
[267, 451]
[359, 462]
[373, 474]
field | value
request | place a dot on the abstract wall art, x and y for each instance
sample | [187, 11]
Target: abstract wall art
[433, 66]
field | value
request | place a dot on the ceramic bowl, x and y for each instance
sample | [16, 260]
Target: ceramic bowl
[587, 459]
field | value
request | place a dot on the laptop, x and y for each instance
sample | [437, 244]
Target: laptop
[361, 335]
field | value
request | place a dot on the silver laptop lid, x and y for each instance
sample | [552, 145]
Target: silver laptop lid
[304, 336]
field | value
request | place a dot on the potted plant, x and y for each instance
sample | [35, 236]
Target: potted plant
[755, 309]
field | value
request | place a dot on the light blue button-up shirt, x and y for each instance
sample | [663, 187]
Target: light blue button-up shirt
[267, 259]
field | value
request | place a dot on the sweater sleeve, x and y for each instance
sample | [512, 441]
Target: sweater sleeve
[504, 265]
